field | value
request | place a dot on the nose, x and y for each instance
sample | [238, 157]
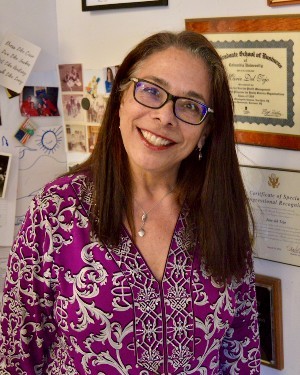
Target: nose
[165, 114]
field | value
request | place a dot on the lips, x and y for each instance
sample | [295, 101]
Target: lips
[154, 139]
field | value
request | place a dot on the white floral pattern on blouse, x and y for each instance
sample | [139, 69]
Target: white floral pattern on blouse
[72, 305]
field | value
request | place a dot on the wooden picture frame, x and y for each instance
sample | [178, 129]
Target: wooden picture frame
[274, 3]
[268, 292]
[89, 5]
[257, 24]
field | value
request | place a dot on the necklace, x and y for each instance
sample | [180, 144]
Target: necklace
[141, 231]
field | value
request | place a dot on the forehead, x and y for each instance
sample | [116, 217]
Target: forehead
[181, 70]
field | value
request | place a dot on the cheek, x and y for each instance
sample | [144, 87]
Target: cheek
[193, 137]
[123, 114]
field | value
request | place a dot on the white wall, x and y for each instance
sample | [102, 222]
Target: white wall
[34, 21]
[102, 38]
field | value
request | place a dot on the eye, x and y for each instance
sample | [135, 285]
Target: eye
[190, 106]
[150, 90]
[149, 94]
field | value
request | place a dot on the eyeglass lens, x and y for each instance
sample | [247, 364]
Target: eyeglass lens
[153, 96]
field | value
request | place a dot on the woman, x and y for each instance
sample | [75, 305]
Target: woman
[139, 262]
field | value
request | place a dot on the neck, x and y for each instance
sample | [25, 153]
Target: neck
[146, 211]
[150, 187]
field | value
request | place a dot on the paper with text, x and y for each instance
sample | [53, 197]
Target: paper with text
[17, 58]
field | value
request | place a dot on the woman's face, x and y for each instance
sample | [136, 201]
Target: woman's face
[155, 140]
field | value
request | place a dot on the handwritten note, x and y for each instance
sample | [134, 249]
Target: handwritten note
[17, 57]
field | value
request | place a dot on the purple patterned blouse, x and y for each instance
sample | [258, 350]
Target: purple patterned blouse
[72, 305]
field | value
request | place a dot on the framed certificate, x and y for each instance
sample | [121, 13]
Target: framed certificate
[88, 5]
[261, 56]
[273, 3]
[269, 306]
[274, 196]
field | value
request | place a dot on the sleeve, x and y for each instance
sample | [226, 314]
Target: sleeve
[26, 324]
[240, 350]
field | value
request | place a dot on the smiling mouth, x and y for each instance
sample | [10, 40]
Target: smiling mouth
[154, 139]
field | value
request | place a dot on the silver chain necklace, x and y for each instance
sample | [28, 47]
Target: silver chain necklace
[141, 231]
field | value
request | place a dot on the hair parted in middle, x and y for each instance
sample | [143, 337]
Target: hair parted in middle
[212, 189]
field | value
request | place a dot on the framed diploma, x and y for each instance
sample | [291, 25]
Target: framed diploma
[274, 196]
[88, 5]
[273, 3]
[262, 58]
[269, 306]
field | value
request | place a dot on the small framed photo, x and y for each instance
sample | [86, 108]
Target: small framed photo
[88, 5]
[268, 292]
[5, 160]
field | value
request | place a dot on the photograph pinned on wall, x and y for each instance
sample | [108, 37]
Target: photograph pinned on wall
[92, 137]
[93, 82]
[99, 81]
[94, 101]
[97, 88]
[96, 109]
[110, 73]
[76, 138]
[72, 108]
[71, 78]
[39, 101]
[5, 160]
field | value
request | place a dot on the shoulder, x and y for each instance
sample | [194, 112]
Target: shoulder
[77, 188]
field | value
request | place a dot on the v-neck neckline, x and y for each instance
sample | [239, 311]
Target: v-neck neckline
[159, 306]
[138, 250]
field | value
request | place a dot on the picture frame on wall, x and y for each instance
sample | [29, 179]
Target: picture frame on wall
[273, 3]
[274, 197]
[5, 161]
[269, 305]
[261, 55]
[90, 5]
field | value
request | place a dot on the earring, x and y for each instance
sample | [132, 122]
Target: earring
[200, 145]
[199, 153]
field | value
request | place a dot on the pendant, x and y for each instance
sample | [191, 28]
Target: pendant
[141, 232]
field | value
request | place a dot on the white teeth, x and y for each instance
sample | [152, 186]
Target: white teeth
[154, 140]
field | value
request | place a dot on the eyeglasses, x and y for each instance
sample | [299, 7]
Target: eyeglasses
[151, 95]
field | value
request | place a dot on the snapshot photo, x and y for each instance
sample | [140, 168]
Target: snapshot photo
[5, 160]
[70, 77]
[99, 81]
[72, 108]
[39, 101]
[76, 138]
[96, 110]
[92, 137]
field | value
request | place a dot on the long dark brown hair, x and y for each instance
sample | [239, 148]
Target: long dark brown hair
[212, 188]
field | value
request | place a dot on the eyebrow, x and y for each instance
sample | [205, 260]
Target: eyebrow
[189, 94]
